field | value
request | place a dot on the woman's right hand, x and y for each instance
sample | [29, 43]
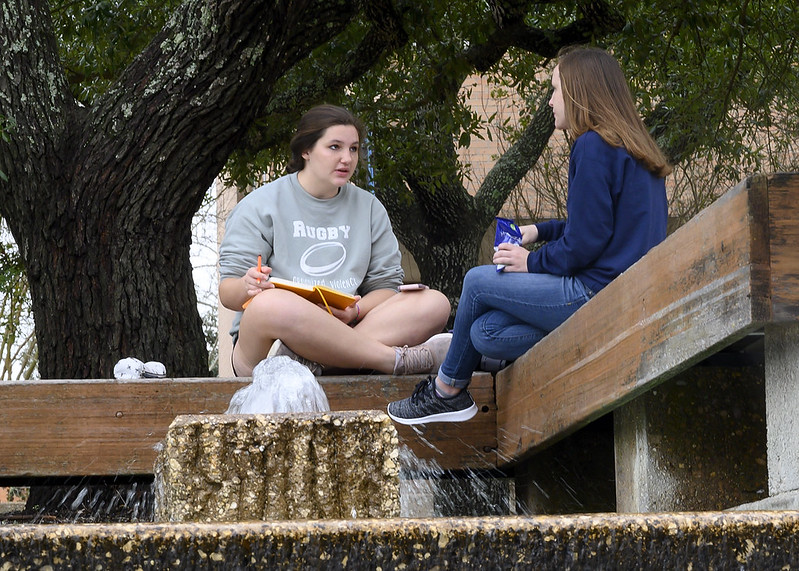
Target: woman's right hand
[257, 281]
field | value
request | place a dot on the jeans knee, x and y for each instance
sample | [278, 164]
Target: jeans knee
[479, 337]
[477, 279]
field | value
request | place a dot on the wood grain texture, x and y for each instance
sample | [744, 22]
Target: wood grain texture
[783, 240]
[109, 427]
[706, 286]
[726, 273]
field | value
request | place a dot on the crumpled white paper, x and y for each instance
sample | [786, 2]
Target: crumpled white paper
[133, 368]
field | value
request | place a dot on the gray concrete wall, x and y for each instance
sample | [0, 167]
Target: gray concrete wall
[696, 442]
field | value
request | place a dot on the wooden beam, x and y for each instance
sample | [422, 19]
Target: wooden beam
[110, 427]
[704, 287]
[783, 245]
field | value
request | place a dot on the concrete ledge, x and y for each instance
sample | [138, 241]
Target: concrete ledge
[784, 501]
[710, 540]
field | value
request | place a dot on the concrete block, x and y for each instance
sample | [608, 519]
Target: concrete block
[782, 402]
[215, 468]
[696, 442]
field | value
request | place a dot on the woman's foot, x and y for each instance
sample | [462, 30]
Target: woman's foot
[425, 405]
[422, 359]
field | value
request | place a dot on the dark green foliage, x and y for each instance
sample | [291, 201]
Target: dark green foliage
[99, 38]
[716, 82]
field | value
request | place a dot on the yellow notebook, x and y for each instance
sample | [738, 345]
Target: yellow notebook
[315, 293]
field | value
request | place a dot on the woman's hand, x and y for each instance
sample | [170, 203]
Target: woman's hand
[236, 293]
[257, 280]
[513, 257]
[529, 234]
[348, 315]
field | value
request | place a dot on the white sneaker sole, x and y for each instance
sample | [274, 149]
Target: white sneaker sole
[276, 345]
[454, 416]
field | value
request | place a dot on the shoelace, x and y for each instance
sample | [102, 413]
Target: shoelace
[417, 392]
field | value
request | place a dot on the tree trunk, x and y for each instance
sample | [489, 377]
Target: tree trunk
[441, 224]
[100, 199]
[130, 296]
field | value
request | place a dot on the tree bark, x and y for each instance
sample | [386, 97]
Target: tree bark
[100, 199]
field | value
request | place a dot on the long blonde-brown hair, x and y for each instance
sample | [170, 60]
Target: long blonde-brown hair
[596, 97]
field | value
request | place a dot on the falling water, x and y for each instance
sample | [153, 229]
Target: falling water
[89, 501]
[279, 384]
[282, 385]
[427, 490]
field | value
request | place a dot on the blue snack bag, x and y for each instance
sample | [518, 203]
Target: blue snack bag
[507, 231]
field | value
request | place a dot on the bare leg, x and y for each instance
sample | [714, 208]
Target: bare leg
[407, 318]
[403, 319]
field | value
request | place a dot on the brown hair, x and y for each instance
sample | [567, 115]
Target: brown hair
[596, 97]
[313, 125]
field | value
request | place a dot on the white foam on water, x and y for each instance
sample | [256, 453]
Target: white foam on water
[279, 384]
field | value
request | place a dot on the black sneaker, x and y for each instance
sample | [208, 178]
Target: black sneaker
[424, 405]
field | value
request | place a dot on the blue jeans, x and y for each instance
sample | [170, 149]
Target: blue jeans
[501, 315]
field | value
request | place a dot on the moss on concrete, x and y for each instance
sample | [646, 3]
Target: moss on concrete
[278, 466]
[712, 540]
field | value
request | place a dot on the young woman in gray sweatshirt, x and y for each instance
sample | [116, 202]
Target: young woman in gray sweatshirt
[315, 227]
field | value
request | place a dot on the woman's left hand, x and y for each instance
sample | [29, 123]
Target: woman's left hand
[348, 315]
[513, 257]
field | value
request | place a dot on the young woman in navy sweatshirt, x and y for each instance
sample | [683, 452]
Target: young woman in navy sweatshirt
[616, 211]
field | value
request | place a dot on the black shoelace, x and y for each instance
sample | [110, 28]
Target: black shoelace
[417, 392]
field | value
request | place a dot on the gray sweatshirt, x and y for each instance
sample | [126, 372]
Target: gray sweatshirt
[344, 242]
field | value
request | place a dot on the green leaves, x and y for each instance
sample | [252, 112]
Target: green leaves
[715, 81]
[712, 74]
[98, 38]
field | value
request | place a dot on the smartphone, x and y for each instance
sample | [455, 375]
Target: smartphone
[411, 287]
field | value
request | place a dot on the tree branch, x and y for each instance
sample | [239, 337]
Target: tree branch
[295, 93]
[35, 100]
[516, 161]
[179, 110]
[598, 18]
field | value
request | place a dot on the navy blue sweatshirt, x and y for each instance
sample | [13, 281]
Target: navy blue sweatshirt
[616, 210]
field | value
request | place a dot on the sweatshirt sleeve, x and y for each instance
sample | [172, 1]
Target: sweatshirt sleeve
[385, 265]
[579, 241]
[247, 234]
[550, 230]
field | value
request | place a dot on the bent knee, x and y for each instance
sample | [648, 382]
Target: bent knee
[479, 274]
[274, 305]
[440, 301]
[430, 302]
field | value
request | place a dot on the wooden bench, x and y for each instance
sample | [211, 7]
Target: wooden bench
[109, 427]
[730, 272]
